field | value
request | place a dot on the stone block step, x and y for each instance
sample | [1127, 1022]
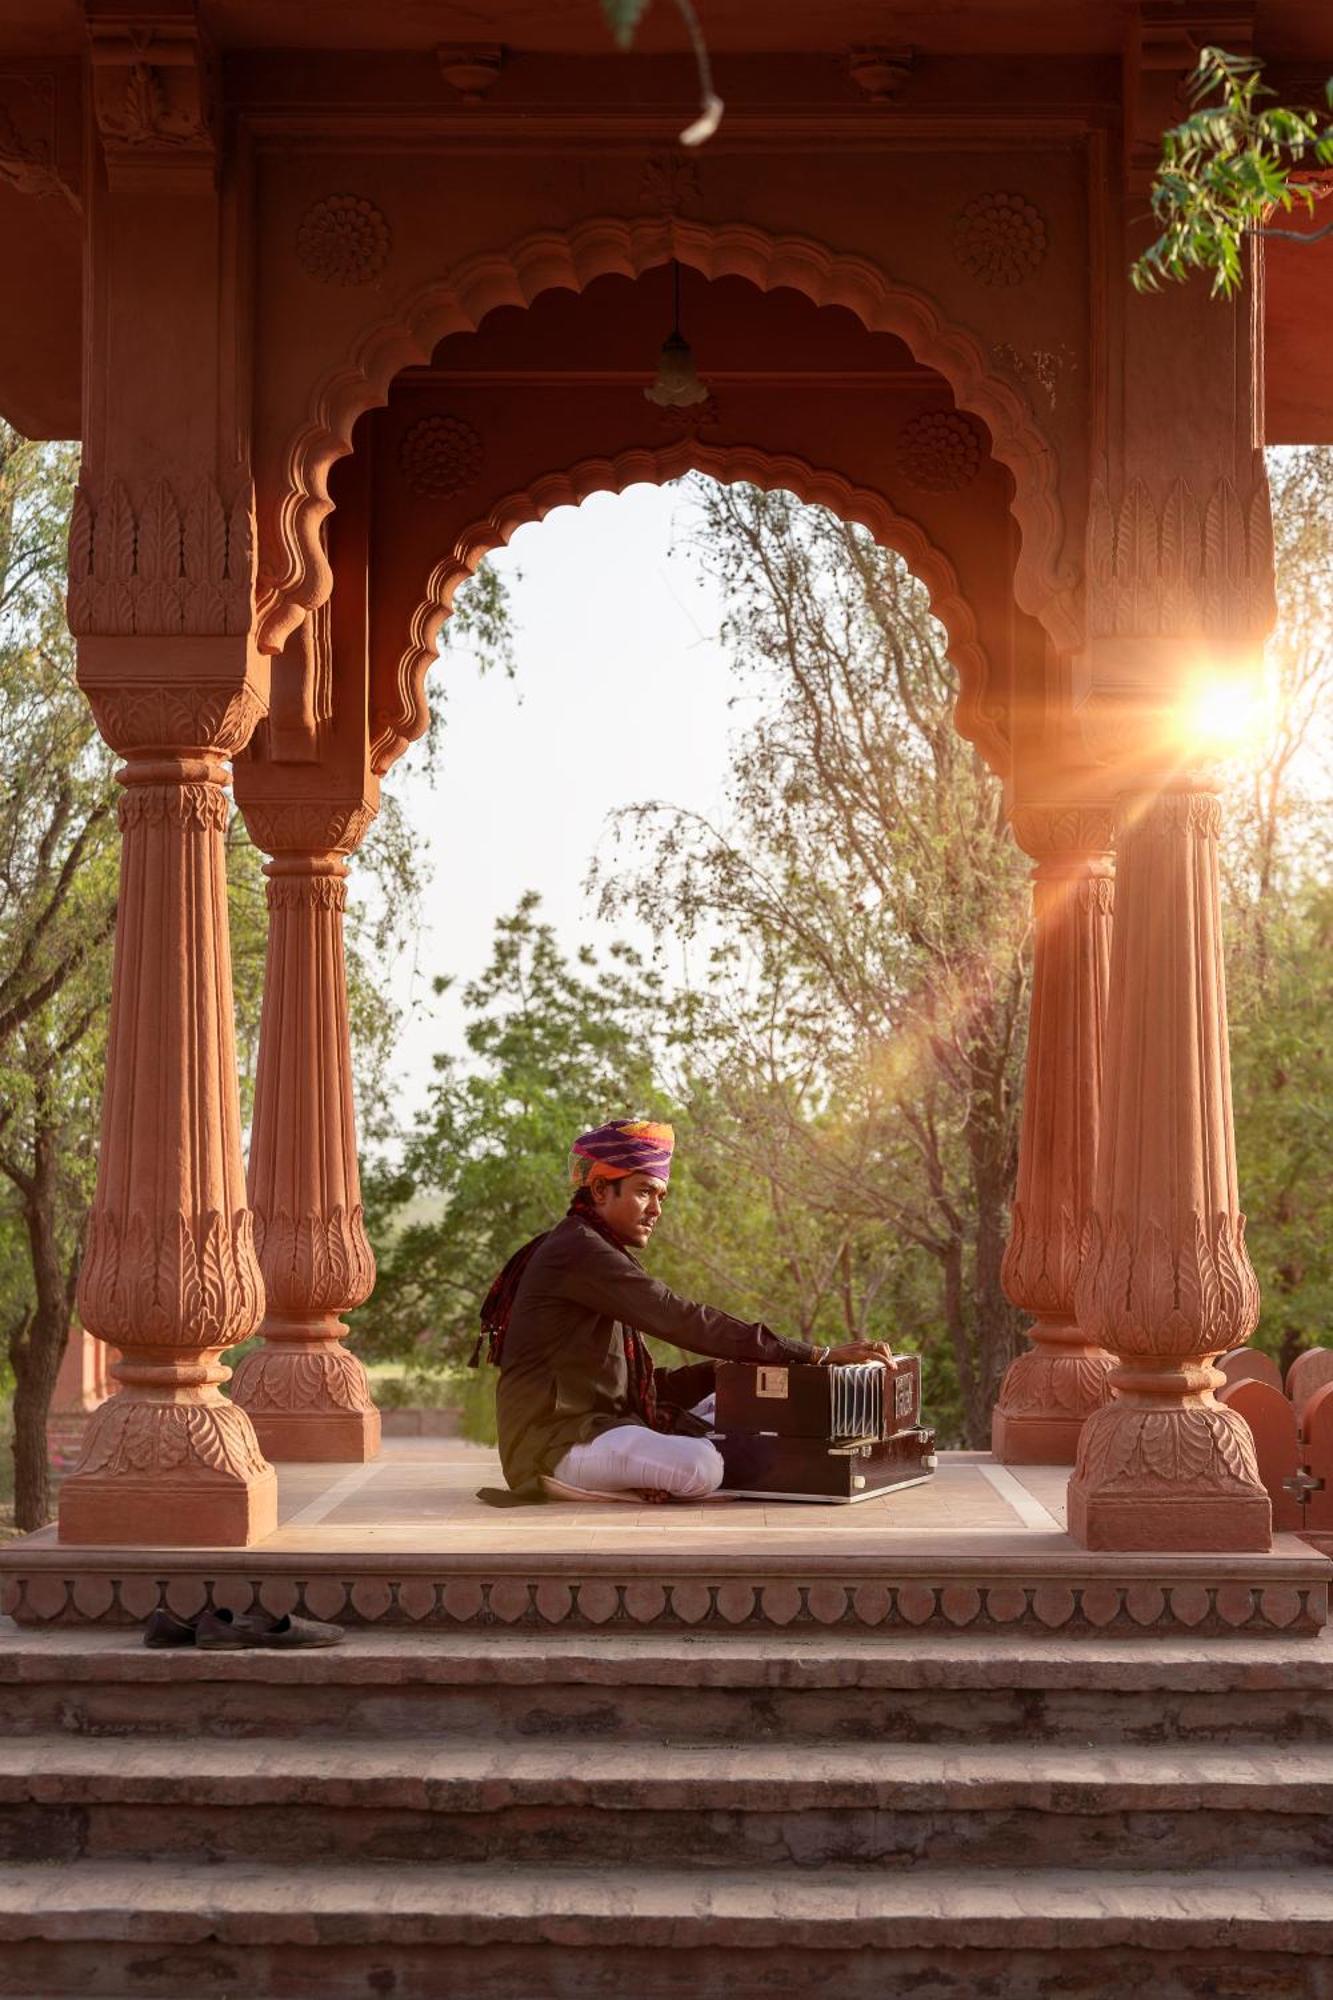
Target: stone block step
[886, 1805]
[607, 1687]
[509, 1933]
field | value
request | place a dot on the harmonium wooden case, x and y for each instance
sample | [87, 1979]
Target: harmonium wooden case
[821, 1434]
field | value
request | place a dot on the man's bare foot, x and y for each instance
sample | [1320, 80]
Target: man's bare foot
[654, 1496]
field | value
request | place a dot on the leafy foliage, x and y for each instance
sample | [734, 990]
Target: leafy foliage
[843, 1074]
[859, 1038]
[1278, 880]
[1225, 169]
[549, 1045]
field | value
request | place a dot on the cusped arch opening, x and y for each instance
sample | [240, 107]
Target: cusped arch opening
[977, 719]
[298, 575]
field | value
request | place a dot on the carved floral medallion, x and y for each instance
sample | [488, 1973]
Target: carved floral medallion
[940, 451]
[999, 239]
[440, 456]
[343, 240]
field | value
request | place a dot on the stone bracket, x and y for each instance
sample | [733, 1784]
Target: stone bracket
[154, 96]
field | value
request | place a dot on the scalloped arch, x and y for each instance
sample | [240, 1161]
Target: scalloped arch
[570, 260]
[978, 722]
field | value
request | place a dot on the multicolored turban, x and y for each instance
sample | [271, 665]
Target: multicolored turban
[626, 1146]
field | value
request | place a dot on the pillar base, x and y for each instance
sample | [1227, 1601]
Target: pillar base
[1033, 1440]
[96, 1511]
[307, 1396]
[1218, 1523]
[318, 1437]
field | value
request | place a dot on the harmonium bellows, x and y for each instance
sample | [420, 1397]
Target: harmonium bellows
[811, 1433]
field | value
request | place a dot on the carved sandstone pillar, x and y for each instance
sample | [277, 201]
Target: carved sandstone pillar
[1047, 1393]
[170, 1275]
[307, 1397]
[1165, 1282]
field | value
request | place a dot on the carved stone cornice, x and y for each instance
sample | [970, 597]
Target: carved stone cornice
[1064, 832]
[167, 563]
[170, 1280]
[154, 97]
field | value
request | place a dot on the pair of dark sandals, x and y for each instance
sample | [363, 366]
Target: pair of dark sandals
[238, 1631]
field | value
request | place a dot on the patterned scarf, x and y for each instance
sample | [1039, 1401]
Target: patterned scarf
[498, 1305]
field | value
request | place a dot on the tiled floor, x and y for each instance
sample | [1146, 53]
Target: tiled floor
[420, 1496]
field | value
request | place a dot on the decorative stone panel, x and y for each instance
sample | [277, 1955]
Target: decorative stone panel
[940, 451]
[343, 240]
[999, 239]
[440, 456]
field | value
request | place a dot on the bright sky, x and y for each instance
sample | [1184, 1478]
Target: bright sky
[621, 695]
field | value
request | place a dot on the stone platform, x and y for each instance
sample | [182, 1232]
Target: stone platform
[404, 1542]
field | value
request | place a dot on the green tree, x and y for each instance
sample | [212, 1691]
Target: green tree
[869, 915]
[1278, 868]
[1225, 169]
[57, 913]
[551, 1048]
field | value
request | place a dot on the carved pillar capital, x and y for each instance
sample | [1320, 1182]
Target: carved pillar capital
[1080, 835]
[306, 826]
[1165, 1282]
[308, 1396]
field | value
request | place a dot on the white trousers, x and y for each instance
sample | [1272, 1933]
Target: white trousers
[631, 1457]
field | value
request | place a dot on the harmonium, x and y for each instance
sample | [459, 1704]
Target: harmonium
[823, 1434]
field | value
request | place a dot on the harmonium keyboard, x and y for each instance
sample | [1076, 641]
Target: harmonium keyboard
[816, 1433]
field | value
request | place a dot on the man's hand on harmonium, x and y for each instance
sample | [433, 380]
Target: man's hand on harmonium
[859, 1350]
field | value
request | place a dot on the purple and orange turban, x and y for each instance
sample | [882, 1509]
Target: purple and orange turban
[626, 1146]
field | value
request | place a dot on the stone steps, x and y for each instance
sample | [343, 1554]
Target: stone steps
[929, 1689]
[797, 1804]
[235, 1928]
[583, 1816]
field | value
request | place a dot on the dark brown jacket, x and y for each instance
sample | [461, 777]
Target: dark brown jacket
[563, 1376]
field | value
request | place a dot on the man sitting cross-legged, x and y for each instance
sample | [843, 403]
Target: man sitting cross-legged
[581, 1407]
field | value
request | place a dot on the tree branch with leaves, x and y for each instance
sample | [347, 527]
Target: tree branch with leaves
[1226, 169]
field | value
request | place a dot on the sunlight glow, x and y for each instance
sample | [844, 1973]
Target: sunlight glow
[1224, 716]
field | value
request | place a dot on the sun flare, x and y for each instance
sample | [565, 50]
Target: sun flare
[1226, 716]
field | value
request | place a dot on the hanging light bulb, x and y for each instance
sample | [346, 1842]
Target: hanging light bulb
[677, 385]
